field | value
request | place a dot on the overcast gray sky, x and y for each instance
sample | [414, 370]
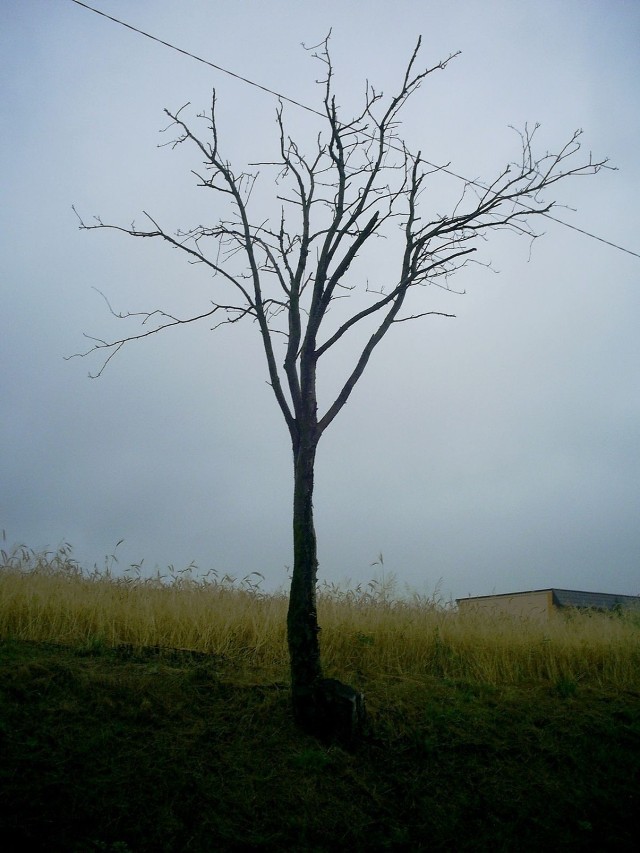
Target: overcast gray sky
[495, 452]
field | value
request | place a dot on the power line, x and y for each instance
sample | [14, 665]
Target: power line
[198, 58]
[318, 113]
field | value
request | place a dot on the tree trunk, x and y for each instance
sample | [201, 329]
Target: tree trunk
[302, 619]
[323, 707]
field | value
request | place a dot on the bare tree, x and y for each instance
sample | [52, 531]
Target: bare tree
[359, 182]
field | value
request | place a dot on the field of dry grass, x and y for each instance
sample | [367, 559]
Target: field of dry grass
[368, 634]
[486, 734]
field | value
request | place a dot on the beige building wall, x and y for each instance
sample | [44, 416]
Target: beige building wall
[530, 605]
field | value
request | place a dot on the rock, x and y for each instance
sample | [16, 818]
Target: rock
[333, 711]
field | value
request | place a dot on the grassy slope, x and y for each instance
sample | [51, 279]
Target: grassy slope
[102, 751]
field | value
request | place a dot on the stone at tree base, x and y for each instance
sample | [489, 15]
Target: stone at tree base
[332, 710]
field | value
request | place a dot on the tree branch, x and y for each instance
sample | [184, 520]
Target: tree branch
[360, 182]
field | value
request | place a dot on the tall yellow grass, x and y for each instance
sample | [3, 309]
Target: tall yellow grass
[366, 633]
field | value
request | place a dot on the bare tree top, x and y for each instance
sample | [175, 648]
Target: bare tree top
[358, 183]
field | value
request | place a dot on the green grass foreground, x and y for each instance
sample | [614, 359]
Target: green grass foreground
[111, 740]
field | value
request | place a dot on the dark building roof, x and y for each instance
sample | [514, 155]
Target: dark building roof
[573, 598]
[600, 600]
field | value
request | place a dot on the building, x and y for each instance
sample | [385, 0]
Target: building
[542, 603]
